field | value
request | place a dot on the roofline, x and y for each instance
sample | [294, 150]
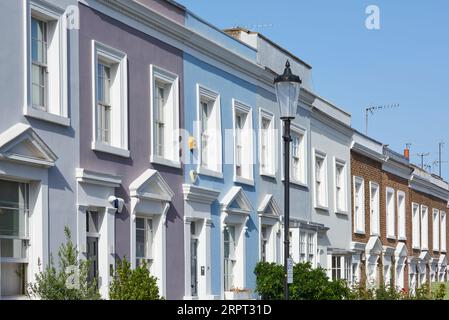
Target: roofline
[327, 102]
[272, 43]
[216, 28]
[176, 4]
[367, 137]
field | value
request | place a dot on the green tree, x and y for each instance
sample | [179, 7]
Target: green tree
[270, 280]
[137, 284]
[69, 281]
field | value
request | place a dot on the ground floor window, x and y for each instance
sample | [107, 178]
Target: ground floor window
[307, 247]
[14, 212]
[229, 257]
[341, 267]
[144, 241]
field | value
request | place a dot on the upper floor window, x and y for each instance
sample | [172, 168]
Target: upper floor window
[443, 231]
[374, 208]
[243, 146]
[165, 117]
[46, 57]
[424, 227]
[111, 100]
[320, 180]
[401, 215]
[209, 132]
[267, 147]
[416, 242]
[359, 205]
[391, 212]
[436, 229]
[298, 154]
[340, 186]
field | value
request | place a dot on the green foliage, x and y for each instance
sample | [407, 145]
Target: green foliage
[308, 283]
[313, 284]
[69, 281]
[137, 284]
[270, 280]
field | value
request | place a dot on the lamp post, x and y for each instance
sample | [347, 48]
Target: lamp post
[287, 88]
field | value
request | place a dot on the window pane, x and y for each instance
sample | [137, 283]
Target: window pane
[38, 41]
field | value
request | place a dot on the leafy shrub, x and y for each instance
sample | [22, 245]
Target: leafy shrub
[69, 281]
[137, 284]
[308, 283]
[270, 280]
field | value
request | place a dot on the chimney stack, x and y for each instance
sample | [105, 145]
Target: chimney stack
[407, 153]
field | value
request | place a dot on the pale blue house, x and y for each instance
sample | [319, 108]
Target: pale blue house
[221, 221]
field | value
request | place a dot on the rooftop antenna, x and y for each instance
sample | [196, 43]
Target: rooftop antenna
[422, 155]
[371, 109]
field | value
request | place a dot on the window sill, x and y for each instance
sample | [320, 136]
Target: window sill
[47, 116]
[416, 248]
[165, 162]
[343, 213]
[267, 175]
[241, 180]
[299, 184]
[102, 147]
[402, 238]
[360, 232]
[322, 208]
[443, 250]
[210, 173]
[391, 237]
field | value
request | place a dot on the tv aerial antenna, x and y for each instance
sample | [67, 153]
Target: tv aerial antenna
[371, 109]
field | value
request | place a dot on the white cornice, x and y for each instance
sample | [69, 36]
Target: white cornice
[397, 168]
[184, 36]
[367, 152]
[199, 194]
[332, 122]
[423, 185]
[103, 179]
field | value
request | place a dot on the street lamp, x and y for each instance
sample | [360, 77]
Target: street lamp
[287, 88]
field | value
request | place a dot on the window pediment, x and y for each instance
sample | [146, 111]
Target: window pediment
[151, 186]
[374, 246]
[269, 207]
[236, 201]
[21, 143]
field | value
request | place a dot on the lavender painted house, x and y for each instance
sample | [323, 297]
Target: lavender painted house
[130, 108]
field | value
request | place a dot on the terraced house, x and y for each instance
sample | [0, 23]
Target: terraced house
[399, 220]
[154, 135]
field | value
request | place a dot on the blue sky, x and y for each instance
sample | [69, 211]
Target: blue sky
[405, 62]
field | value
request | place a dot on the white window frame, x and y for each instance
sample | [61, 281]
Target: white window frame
[270, 166]
[297, 130]
[436, 229]
[214, 167]
[359, 216]
[402, 228]
[424, 213]
[345, 268]
[306, 248]
[57, 78]
[170, 158]
[323, 179]
[390, 210]
[416, 221]
[443, 231]
[344, 187]
[374, 212]
[247, 176]
[119, 100]
[149, 239]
